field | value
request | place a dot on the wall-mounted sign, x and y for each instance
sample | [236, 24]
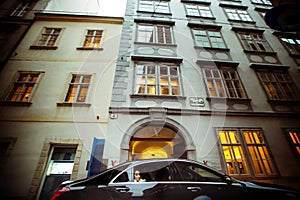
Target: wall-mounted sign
[197, 101]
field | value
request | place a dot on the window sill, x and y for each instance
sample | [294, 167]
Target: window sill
[200, 17]
[155, 44]
[65, 104]
[286, 102]
[261, 52]
[43, 47]
[154, 13]
[241, 21]
[89, 48]
[145, 96]
[235, 100]
[212, 48]
[15, 103]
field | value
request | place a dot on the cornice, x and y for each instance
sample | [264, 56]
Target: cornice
[78, 18]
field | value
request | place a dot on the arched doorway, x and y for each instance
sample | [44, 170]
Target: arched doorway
[156, 142]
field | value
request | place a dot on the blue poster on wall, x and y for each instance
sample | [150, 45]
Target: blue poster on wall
[96, 157]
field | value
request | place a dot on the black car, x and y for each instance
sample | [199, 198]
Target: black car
[169, 179]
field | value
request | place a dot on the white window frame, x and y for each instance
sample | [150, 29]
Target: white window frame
[49, 37]
[238, 15]
[150, 81]
[78, 85]
[211, 37]
[199, 11]
[220, 86]
[155, 33]
[93, 38]
[154, 6]
[23, 90]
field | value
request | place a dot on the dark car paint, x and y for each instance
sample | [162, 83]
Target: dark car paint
[227, 188]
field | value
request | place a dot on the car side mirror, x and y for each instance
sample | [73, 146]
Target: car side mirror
[228, 180]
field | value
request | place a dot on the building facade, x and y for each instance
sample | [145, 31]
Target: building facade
[16, 18]
[207, 80]
[55, 95]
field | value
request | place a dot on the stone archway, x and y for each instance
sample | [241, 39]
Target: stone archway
[156, 142]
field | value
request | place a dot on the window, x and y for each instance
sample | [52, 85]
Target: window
[21, 9]
[208, 38]
[198, 11]
[294, 138]
[195, 173]
[154, 33]
[93, 39]
[243, 149]
[238, 15]
[223, 82]
[291, 43]
[157, 79]
[154, 6]
[6, 145]
[78, 88]
[254, 42]
[24, 87]
[49, 37]
[264, 2]
[278, 85]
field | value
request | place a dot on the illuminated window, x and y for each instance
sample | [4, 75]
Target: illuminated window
[294, 137]
[198, 11]
[243, 149]
[21, 9]
[278, 85]
[233, 152]
[157, 79]
[291, 43]
[93, 39]
[258, 152]
[254, 42]
[263, 2]
[154, 6]
[49, 37]
[153, 33]
[238, 15]
[24, 87]
[78, 88]
[223, 82]
[208, 38]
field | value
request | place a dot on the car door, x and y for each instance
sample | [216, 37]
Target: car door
[201, 183]
[156, 182]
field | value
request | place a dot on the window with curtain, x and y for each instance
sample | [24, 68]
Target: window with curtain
[160, 79]
[93, 39]
[244, 150]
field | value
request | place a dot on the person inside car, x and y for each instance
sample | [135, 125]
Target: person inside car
[137, 177]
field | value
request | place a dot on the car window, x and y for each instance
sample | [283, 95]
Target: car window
[197, 173]
[148, 172]
[106, 176]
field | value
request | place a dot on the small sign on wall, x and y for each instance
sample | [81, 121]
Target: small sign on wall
[196, 101]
